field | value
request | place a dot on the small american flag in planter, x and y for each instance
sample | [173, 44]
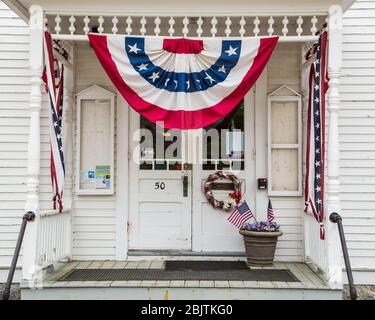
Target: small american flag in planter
[270, 212]
[240, 215]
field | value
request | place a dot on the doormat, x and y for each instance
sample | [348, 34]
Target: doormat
[205, 265]
[159, 274]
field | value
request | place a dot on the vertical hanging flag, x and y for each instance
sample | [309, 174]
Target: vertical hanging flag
[52, 73]
[270, 213]
[240, 215]
[314, 183]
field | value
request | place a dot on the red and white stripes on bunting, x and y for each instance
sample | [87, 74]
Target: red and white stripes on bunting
[315, 146]
[53, 77]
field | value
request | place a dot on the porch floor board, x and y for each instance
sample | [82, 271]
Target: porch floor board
[307, 277]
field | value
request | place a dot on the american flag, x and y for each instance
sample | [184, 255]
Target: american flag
[314, 186]
[270, 212]
[240, 215]
[55, 92]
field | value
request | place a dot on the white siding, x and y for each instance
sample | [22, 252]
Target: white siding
[14, 128]
[14, 121]
[357, 133]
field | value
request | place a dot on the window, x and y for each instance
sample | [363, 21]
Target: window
[284, 143]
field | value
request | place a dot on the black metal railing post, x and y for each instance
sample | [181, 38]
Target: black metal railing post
[29, 216]
[336, 218]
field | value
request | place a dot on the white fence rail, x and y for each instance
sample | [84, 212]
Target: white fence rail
[54, 234]
[315, 252]
[61, 25]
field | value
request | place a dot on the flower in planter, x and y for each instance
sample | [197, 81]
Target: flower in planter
[262, 226]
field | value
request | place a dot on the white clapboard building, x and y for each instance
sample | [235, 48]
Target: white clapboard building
[150, 212]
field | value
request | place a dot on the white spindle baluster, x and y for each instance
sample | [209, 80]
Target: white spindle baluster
[86, 28]
[314, 29]
[256, 26]
[299, 24]
[213, 29]
[171, 22]
[129, 22]
[114, 22]
[199, 24]
[185, 29]
[143, 29]
[57, 27]
[270, 29]
[242, 26]
[157, 22]
[72, 28]
[45, 23]
[228, 23]
[285, 26]
[101, 21]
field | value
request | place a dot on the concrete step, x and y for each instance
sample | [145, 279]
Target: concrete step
[117, 291]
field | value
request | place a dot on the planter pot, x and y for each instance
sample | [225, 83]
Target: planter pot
[260, 247]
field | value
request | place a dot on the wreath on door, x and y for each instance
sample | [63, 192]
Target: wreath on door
[234, 197]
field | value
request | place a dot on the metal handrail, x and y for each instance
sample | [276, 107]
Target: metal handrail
[29, 216]
[336, 218]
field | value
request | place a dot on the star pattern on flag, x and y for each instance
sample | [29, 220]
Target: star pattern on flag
[231, 51]
[142, 66]
[222, 69]
[154, 76]
[317, 132]
[133, 48]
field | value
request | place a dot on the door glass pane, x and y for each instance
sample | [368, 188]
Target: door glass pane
[223, 142]
[160, 148]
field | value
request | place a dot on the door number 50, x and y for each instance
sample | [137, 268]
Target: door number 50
[159, 185]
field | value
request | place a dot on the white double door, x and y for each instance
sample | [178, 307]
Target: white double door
[167, 209]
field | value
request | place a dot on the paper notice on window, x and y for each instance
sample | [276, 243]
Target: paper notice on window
[234, 144]
[102, 177]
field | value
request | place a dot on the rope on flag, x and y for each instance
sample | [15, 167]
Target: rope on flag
[52, 72]
[314, 181]
[184, 83]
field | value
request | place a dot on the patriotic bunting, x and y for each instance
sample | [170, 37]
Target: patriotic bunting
[184, 83]
[314, 183]
[52, 74]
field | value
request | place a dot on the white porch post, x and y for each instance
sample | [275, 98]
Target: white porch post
[67, 127]
[332, 242]
[68, 104]
[33, 163]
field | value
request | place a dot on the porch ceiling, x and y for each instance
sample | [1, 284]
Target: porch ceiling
[172, 7]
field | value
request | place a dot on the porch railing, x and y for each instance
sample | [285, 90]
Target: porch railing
[29, 216]
[336, 218]
[293, 27]
[315, 252]
[54, 234]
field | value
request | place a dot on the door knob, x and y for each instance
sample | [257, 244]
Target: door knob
[185, 182]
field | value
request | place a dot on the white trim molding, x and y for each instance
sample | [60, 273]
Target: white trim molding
[30, 249]
[332, 242]
[293, 97]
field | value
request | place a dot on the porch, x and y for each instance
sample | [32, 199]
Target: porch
[73, 234]
[298, 282]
